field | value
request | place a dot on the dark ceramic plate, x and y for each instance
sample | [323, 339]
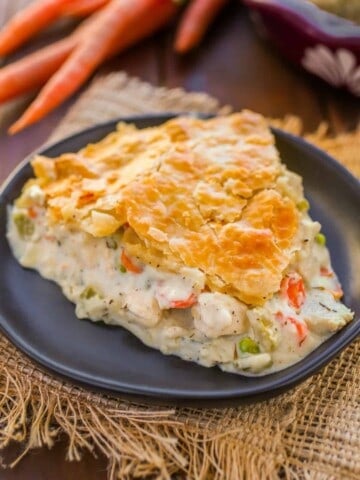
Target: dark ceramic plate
[36, 317]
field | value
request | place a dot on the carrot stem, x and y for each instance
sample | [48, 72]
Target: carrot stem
[29, 21]
[188, 302]
[195, 22]
[128, 264]
[119, 24]
[293, 289]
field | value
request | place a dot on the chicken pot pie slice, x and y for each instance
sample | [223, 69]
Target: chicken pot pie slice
[192, 235]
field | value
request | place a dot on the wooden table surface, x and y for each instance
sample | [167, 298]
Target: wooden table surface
[234, 65]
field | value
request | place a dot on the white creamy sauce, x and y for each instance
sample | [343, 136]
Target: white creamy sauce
[172, 311]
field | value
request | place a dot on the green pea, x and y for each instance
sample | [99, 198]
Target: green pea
[89, 292]
[248, 345]
[320, 239]
[24, 225]
[122, 269]
[303, 205]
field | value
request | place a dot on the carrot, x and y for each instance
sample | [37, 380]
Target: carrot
[128, 264]
[301, 328]
[293, 289]
[32, 212]
[34, 70]
[195, 22]
[82, 8]
[28, 22]
[119, 24]
[188, 302]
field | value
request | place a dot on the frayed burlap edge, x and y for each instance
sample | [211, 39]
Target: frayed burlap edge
[308, 433]
[140, 440]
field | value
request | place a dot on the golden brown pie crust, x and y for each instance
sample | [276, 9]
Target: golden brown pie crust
[200, 193]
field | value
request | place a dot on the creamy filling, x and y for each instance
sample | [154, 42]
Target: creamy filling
[174, 312]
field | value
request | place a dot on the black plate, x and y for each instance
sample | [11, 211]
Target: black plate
[36, 317]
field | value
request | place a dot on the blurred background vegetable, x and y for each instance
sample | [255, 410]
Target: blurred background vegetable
[119, 24]
[194, 23]
[28, 22]
[112, 26]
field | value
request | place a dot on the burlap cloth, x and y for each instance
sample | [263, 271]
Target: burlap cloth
[311, 432]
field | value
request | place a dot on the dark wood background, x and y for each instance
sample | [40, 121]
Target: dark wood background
[232, 64]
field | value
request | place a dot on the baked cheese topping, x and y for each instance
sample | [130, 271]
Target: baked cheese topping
[191, 235]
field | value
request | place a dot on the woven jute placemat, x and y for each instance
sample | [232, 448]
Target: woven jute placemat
[311, 432]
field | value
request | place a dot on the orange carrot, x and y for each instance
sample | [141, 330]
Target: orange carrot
[293, 289]
[119, 24]
[82, 8]
[301, 328]
[188, 302]
[32, 213]
[28, 22]
[195, 22]
[34, 70]
[129, 265]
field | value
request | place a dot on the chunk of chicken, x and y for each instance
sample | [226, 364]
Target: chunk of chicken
[217, 314]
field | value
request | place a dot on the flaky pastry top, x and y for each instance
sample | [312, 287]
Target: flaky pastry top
[209, 194]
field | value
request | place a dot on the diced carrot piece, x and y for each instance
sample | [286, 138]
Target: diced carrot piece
[188, 302]
[128, 264]
[301, 327]
[32, 212]
[292, 287]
